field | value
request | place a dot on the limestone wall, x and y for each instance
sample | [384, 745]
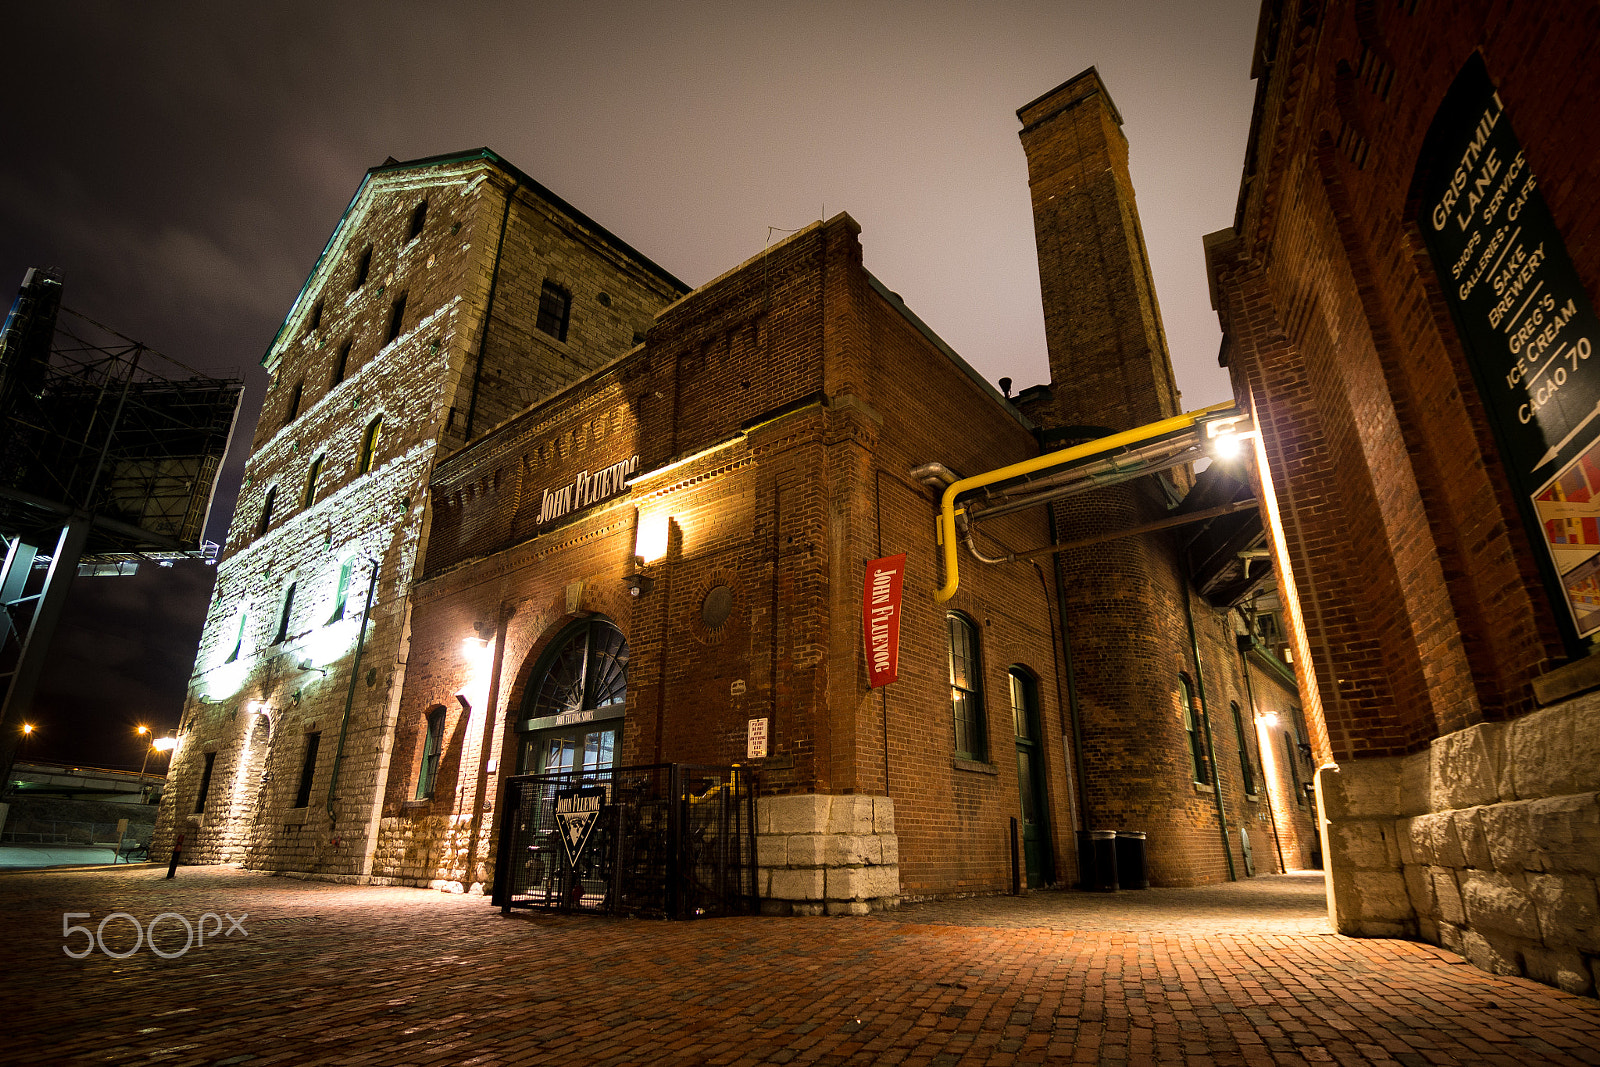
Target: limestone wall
[1488, 844]
[833, 854]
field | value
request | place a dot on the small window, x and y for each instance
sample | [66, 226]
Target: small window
[555, 304]
[1291, 756]
[341, 364]
[432, 742]
[284, 615]
[1246, 767]
[966, 688]
[238, 639]
[397, 317]
[308, 771]
[205, 784]
[418, 216]
[363, 268]
[310, 496]
[341, 596]
[266, 511]
[1192, 725]
[369, 445]
[316, 316]
[293, 410]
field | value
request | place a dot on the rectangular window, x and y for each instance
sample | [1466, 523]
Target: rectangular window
[293, 410]
[205, 784]
[341, 364]
[363, 268]
[418, 217]
[369, 445]
[238, 639]
[266, 511]
[1245, 766]
[341, 596]
[397, 317]
[966, 689]
[310, 496]
[284, 615]
[1193, 726]
[308, 771]
[432, 742]
[1292, 756]
[555, 305]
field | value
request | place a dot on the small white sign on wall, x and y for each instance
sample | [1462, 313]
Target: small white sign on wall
[756, 740]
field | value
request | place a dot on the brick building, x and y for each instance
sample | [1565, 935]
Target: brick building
[648, 544]
[1406, 296]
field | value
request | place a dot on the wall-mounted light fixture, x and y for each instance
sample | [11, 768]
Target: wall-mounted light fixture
[639, 584]
[305, 664]
[1225, 437]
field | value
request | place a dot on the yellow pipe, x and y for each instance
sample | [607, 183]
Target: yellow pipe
[945, 529]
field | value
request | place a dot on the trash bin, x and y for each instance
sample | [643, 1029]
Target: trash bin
[1130, 860]
[1097, 860]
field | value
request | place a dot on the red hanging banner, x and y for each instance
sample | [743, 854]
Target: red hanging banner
[880, 618]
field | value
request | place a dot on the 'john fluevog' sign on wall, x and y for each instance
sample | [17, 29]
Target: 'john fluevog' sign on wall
[1526, 323]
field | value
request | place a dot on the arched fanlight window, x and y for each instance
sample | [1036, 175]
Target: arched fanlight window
[573, 707]
[588, 669]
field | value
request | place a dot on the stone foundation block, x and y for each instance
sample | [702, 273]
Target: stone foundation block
[1508, 829]
[1466, 767]
[1365, 843]
[1495, 903]
[1568, 908]
[850, 815]
[1562, 968]
[792, 884]
[1492, 952]
[806, 850]
[1448, 895]
[1566, 832]
[1470, 833]
[883, 815]
[804, 814]
[1556, 751]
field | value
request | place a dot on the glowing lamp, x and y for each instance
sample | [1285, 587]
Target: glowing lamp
[650, 543]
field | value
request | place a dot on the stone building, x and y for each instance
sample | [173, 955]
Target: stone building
[453, 292]
[643, 537]
[1407, 300]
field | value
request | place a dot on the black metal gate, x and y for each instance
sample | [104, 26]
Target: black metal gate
[669, 839]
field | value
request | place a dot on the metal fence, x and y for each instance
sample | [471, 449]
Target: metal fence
[667, 839]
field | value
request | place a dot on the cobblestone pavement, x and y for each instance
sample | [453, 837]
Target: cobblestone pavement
[348, 975]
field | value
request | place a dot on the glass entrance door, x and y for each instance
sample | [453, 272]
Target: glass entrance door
[590, 747]
[1030, 779]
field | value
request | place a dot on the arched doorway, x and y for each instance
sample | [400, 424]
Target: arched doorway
[572, 714]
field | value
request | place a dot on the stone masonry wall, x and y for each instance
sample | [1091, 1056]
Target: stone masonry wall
[1495, 851]
[835, 855]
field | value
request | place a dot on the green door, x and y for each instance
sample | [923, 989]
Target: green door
[1036, 855]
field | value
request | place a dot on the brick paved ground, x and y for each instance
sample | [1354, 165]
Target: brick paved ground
[344, 975]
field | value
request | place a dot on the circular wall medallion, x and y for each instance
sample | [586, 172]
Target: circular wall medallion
[716, 607]
[720, 602]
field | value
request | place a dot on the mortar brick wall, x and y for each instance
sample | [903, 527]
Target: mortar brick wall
[1425, 615]
[1125, 598]
[775, 413]
[439, 380]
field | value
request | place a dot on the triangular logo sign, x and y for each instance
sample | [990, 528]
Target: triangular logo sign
[577, 812]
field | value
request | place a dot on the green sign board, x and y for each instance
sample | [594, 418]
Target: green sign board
[1526, 323]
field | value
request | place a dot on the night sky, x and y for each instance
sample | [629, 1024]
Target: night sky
[184, 164]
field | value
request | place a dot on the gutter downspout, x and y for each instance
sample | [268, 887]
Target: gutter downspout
[1205, 715]
[350, 695]
[1073, 710]
[945, 531]
[488, 312]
